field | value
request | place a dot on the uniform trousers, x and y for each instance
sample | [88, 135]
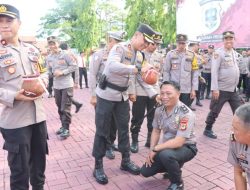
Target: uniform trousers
[27, 148]
[216, 105]
[170, 161]
[50, 85]
[185, 98]
[243, 81]
[248, 87]
[207, 77]
[105, 110]
[138, 110]
[63, 98]
[83, 71]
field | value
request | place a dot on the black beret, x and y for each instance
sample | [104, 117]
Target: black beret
[228, 34]
[147, 31]
[9, 10]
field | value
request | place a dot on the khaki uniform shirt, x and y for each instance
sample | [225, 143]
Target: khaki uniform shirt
[183, 69]
[16, 62]
[225, 71]
[239, 155]
[96, 67]
[67, 64]
[180, 122]
[243, 65]
[119, 70]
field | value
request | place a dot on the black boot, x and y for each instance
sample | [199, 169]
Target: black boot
[110, 153]
[128, 165]
[147, 144]
[198, 103]
[175, 186]
[134, 145]
[210, 134]
[99, 174]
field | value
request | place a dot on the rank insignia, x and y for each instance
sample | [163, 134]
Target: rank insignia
[216, 55]
[183, 124]
[3, 52]
[11, 70]
[184, 109]
[7, 62]
[177, 119]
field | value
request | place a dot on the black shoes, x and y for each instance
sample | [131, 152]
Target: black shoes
[175, 186]
[99, 174]
[134, 145]
[130, 166]
[65, 134]
[50, 96]
[78, 107]
[110, 153]
[60, 131]
[208, 97]
[198, 103]
[210, 134]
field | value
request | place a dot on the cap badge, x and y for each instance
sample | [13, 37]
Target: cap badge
[3, 9]
[228, 33]
[182, 37]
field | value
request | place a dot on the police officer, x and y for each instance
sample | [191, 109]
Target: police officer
[178, 146]
[247, 59]
[23, 119]
[96, 68]
[112, 99]
[182, 67]
[225, 77]
[206, 73]
[239, 151]
[62, 65]
[145, 95]
[243, 66]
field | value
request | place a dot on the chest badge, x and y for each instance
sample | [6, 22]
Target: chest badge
[11, 70]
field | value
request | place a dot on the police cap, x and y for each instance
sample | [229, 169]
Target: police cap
[157, 37]
[227, 34]
[9, 10]
[211, 47]
[52, 39]
[117, 35]
[147, 31]
[181, 38]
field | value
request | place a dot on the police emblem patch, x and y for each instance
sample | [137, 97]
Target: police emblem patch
[8, 61]
[11, 70]
[183, 124]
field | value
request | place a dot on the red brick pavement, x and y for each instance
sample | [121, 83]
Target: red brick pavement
[70, 164]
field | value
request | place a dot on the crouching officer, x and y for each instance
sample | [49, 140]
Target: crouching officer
[112, 99]
[176, 121]
[239, 151]
[23, 119]
[62, 65]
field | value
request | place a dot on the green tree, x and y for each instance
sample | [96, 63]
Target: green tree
[160, 14]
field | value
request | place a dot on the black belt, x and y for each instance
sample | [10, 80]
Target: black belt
[115, 87]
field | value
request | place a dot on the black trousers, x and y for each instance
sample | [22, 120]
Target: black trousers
[185, 98]
[83, 71]
[207, 86]
[63, 98]
[27, 148]
[216, 105]
[138, 110]
[170, 161]
[248, 87]
[112, 136]
[243, 81]
[105, 110]
[50, 85]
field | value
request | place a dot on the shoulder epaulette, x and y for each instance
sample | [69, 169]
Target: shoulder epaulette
[184, 109]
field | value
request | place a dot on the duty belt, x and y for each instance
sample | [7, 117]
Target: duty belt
[115, 87]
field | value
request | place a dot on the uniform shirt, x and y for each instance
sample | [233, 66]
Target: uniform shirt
[239, 155]
[207, 65]
[180, 122]
[225, 71]
[16, 62]
[119, 69]
[181, 67]
[243, 64]
[64, 62]
[96, 67]
[138, 86]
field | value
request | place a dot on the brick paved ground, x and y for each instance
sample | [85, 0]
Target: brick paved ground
[70, 164]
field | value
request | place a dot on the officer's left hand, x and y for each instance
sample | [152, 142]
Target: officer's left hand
[58, 73]
[192, 94]
[132, 97]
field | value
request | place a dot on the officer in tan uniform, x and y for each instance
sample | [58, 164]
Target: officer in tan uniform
[96, 68]
[206, 72]
[23, 119]
[181, 66]
[239, 151]
[145, 95]
[178, 145]
[62, 65]
[112, 99]
[225, 77]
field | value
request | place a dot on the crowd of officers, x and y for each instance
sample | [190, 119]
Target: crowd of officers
[116, 78]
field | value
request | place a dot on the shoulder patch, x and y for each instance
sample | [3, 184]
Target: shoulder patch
[183, 124]
[184, 109]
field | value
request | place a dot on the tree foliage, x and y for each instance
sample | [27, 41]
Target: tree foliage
[160, 14]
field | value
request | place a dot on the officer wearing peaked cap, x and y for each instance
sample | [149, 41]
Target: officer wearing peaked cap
[112, 99]
[23, 119]
[181, 66]
[225, 77]
[96, 68]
